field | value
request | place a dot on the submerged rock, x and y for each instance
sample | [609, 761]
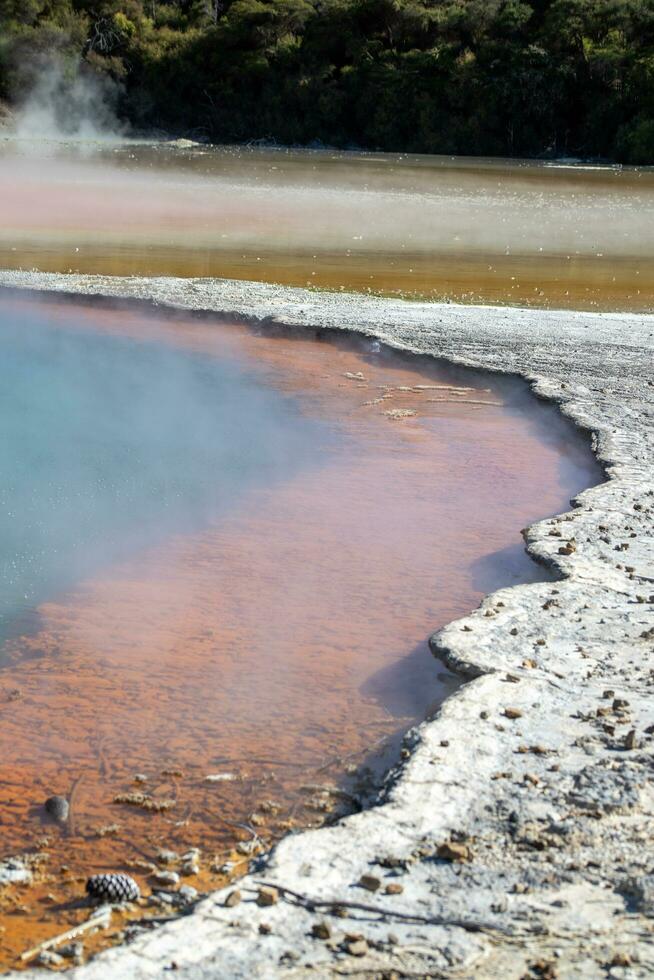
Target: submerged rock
[14, 870]
[58, 808]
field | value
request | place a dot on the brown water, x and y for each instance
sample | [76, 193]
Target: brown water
[281, 646]
[467, 230]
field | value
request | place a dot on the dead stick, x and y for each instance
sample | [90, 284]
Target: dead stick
[100, 920]
[72, 799]
[431, 920]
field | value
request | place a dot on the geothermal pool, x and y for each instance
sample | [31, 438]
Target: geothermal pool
[224, 548]
[468, 230]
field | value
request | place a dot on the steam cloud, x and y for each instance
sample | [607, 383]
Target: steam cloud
[68, 103]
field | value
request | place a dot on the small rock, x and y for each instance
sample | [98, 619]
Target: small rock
[544, 969]
[630, 740]
[512, 713]
[369, 882]
[453, 851]
[621, 959]
[161, 898]
[264, 929]
[187, 893]
[166, 878]
[72, 951]
[48, 958]
[167, 857]
[267, 896]
[321, 930]
[394, 888]
[140, 777]
[233, 899]
[356, 947]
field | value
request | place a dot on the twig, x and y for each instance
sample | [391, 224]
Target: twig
[100, 920]
[72, 799]
[431, 920]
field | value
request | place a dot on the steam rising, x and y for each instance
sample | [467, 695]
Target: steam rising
[109, 445]
[68, 103]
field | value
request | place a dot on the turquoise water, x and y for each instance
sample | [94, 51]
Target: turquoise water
[109, 444]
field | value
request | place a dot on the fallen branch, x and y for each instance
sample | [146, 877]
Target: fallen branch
[99, 920]
[430, 920]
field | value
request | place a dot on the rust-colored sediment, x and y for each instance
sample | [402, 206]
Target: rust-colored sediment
[271, 648]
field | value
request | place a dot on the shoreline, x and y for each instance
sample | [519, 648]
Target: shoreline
[536, 859]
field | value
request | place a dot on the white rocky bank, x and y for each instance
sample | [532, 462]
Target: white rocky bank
[540, 767]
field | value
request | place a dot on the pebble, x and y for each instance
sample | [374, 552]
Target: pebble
[161, 898]
[267, 896]
[72, 951]
[233, 899]
[394, 888]
[356, 947]
[321, 930]
[370, 882]
[512, 713]
[630, 740]
[167, 857]
[47, 958]
[453, 851]
[165, 877]
[188, 893]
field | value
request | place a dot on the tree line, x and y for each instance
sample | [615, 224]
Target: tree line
[494, 77]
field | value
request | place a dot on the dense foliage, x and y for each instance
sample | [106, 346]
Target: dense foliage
[510, 77]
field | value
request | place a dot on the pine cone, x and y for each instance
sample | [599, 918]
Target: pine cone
[112, 888]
